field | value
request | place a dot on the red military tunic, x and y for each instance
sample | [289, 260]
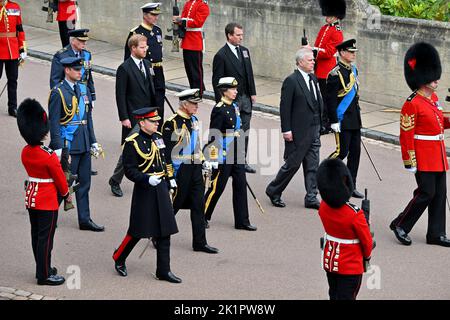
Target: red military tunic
[41, 162]
[329, 36]
[194, 15]
[422, 125]
[12, 37]
[345, 223]
[67, 10]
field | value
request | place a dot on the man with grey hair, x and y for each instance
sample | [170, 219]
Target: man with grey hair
[301, 108]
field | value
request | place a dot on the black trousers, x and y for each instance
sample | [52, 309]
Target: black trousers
[12, 73]
[348, 145]
[43, 225]
[193, 64]
[343, 287]
[81, 166]
[190, 194]
[64, 28]
[431, 192]
[219, 182]
[160, 92]
[162, 252]
[293, 161]
[323, 91]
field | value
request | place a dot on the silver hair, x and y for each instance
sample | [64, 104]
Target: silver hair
[301, 53]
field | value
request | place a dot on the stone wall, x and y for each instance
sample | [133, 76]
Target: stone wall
[273, 29]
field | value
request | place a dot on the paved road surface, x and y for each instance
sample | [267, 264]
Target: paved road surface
[279, 261]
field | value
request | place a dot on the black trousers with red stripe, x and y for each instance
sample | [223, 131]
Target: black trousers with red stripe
[43, 225]
[431, 192]
[162, 252]
[193, 63]
[343, 287]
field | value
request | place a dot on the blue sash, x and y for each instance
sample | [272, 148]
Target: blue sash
[229, 139]
[347, 100]
[187, 150]
[68, 131]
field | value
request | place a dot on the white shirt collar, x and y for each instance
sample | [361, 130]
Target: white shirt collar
[233, 49]
[136, 60]
[71, 84]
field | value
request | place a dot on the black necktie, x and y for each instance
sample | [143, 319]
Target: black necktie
[238, 51]
[142, 68]
[76, 88]
[311, 88]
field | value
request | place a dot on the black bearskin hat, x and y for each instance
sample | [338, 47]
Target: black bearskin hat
[333, 8]
[334, 182]
[422, 65]
[32, 121]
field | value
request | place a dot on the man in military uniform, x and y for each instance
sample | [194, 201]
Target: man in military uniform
[151, 209]
[72, 133]
[149, 29]
[225, 140]
[76, 48]
[183, 150]
[192, 19]
[422, 125]
[344, 112]
[329, 36]
[12, 48]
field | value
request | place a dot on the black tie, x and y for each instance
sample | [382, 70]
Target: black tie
[142, 68]
[311, 88]
[238, 50]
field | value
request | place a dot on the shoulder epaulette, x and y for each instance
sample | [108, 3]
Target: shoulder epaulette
[61, 50]
[158, 133]
[412, 96]
[134, 29]
[172, 117]
[219, 104]
[156, 26]
[132, 137]
[354, 207]
[47, 149]
[334, 71]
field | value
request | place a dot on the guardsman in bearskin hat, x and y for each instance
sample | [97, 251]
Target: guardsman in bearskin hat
[153, 33]
[342, 98]
[151, 209]
[329, 36]
[72, 133]
[182, 138]
[45, 181]
[13, 49]
[224, 133]
[422, 125]
[347, 242]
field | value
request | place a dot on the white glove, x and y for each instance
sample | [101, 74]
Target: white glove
[215, 165]
[95, 145]
[23, 55]
[173, 184]
[58, 153]
[412, 169]
[207, 166]
[336, 127]
[154, 180]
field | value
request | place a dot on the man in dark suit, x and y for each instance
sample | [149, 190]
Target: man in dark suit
[301, 109]
[134, 89]
[233, 60]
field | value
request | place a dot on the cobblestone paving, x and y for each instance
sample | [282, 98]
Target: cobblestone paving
[7, 293]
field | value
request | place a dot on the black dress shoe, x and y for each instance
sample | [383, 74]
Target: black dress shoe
[53, 280]
[248, 227]
[94, 172]
[154, 242]
[440, 241]
[249, 169]
[357, 194]
[400, 234]
[206, 248]
[313, 205]
[169, 276]
[115, 188]
[276, 201]
[12, 112]
[121, 268]
[91, 226]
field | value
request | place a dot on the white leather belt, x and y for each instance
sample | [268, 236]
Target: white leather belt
[194, 29]
[339, 240]
[31, 179]
[437, 137]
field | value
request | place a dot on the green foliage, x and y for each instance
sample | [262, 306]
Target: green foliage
[420, 9]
